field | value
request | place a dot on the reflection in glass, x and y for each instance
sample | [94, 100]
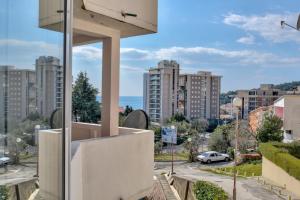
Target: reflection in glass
[31, 89]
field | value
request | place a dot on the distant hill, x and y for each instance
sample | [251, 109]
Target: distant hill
[288, 86]
[225, 97]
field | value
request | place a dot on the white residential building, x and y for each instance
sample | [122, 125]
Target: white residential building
[161, 91]
[49, 82]
[287, 108]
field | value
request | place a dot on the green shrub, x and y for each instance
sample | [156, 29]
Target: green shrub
[204, 190]
[3, 192]
[293, 148]
[280, 156]
[230, 152]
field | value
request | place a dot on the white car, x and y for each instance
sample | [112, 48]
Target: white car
[4, 160]
[212, 156]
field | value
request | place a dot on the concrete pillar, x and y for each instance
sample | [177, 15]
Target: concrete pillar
[110, 86]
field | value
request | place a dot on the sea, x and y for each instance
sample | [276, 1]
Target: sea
[136, 102]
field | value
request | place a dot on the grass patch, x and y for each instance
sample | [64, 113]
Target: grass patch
[244, 170]
[280, 155]
[205, 190]
[168, 157]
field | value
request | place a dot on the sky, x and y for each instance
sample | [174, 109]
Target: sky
[240, 40]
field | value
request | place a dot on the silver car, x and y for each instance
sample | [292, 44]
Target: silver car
[4, 161]
[212, 156]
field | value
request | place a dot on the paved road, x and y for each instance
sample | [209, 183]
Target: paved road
[247, 189]
[17, 174]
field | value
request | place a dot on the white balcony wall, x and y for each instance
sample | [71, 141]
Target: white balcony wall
[108, 168]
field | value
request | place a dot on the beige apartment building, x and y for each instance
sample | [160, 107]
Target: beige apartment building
[161, 86]
[199, 95]
[166, 92]
[255, 98]
[17, 96]
[49, 82]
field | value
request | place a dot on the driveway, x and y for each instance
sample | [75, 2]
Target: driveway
[247, 189]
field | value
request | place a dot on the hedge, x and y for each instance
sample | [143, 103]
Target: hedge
[281, 157]
[3, 192]
[293, 148]
[204, 190]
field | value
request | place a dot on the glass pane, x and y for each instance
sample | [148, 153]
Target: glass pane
[31, 97]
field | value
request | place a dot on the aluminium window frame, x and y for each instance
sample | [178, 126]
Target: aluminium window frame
[67, 98]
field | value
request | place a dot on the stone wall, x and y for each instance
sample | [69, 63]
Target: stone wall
[22, 189]
[278, 176]
[184, 188]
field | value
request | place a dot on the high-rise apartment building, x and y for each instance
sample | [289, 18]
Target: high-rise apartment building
[199, 95]
[255, 98]
[17, 93]
[49, 82]
[161, 91]
[194, 95]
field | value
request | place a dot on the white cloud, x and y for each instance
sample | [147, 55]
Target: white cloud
[133, 69]
[95, 53]
[191, 55]
[25, 43]
[132, 57]
[88, 52]
[22, 53]
[169, 53]
[267, 26]
[250, 39]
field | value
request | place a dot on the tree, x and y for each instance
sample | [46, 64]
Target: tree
[157, 132]
[182, 127]
[128, 109]
[158, 147]
[178, 117]
[123, 115]
[24, 132]
[200, 125]
[84, 103]
[270, 129]
[221, 139]
[192, 144]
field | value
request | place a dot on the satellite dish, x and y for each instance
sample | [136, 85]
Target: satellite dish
[137, 119]
[298, 23]
[56, 119]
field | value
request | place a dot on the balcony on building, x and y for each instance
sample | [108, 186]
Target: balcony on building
[107, 161]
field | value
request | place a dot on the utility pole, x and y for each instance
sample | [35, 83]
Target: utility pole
[172, 147]
[235, 154]
[237, 102]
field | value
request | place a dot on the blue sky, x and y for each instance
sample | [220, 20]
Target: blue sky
[240, 40]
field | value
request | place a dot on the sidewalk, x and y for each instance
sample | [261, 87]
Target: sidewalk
[162, 189]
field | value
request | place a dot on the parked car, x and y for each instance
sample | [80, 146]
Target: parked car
[212, 156]
[4, 161]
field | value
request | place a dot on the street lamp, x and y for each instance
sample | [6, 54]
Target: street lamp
[237, 102]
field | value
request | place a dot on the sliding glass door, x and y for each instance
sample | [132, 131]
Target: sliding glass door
[33, 61]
